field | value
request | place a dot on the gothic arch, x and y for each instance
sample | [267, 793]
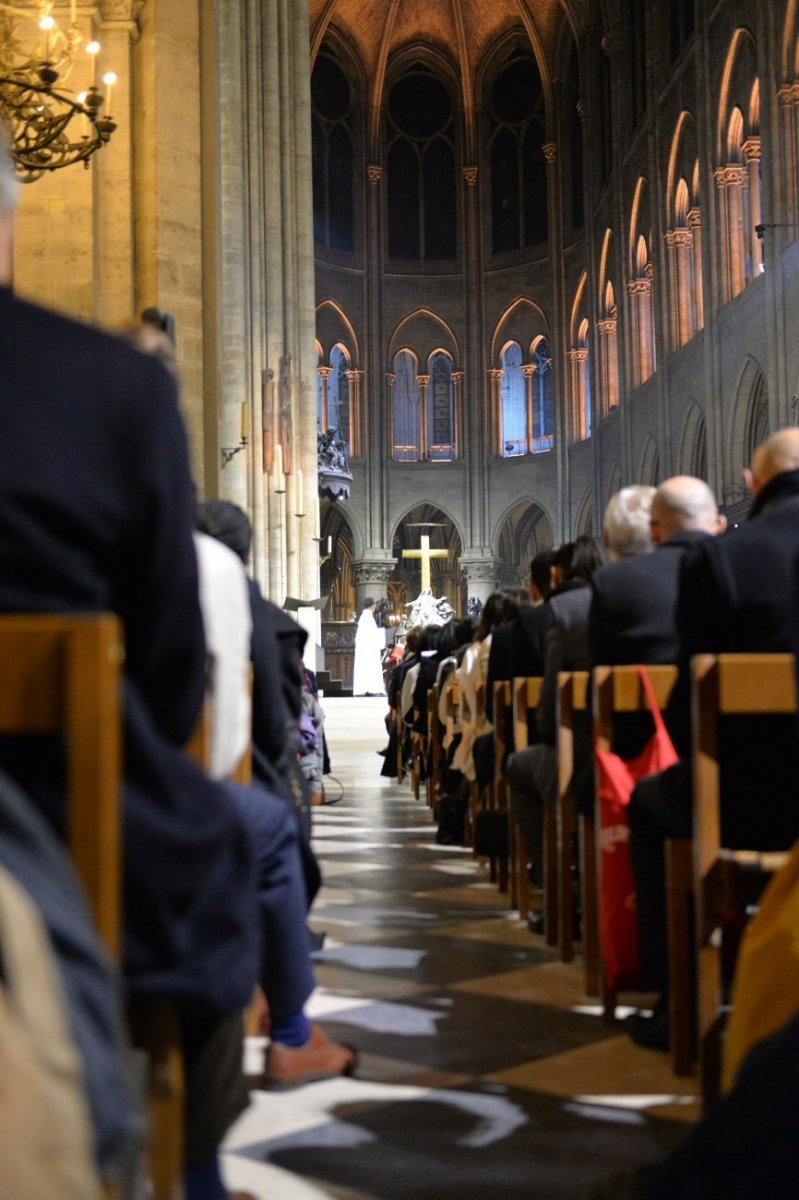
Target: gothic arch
[424, 331]
[693, 443]
[614, 483]
[444, 533]
[336, 575]
[522, 532]
[738, 77]
[334, 326]
[584, 523]
[790, 42]
[750, 424]
[650, 463]
[518, 323]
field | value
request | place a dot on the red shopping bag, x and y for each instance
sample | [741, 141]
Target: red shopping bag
[616, 778]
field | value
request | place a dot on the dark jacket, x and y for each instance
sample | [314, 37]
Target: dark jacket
[517, 649]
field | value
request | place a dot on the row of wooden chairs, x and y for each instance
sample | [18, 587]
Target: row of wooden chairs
[61, 675]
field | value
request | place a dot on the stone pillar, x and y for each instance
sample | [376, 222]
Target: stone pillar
[354, 378]
[324, 376]
[424, 433]
[695, 221]
[609, 366]
[578, 362]
[683, 258]
[731, 181]
[640, 291]
[789, 114]
[751, 153]
[494, 384]
[481, 575]
[457, 384]
[528, 371]
[371, 577]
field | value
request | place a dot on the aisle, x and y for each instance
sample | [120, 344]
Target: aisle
[484, 1072]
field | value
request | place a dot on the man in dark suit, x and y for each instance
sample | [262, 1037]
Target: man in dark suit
[633, 607]
[96, 514]
[735, 595]
[517, 648]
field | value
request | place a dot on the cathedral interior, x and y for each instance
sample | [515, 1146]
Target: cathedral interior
[515, 254]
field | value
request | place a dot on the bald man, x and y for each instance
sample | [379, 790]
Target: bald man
[735, 595]
[634, 599]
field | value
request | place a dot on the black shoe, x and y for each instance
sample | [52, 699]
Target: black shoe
[650, 1032]
[536, 921]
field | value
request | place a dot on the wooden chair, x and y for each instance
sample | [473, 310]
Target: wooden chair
[499, 797]
[572, 698]
[616, 690]
[434, 734]
[526, 692]
[61, 674]
[722, 685]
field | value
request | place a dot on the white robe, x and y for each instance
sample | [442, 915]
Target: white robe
[367, 670]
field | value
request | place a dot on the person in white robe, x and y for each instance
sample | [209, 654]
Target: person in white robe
[367, 670]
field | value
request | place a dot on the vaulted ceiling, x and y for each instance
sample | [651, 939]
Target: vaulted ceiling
[462, 31]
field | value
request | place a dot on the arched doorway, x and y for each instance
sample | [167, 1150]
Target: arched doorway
[405, 582]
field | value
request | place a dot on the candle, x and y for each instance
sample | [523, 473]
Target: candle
[316, 519]
[329, 545]
[93, 49]
[300, 507]
[73, 12]
[277, 469]
[245, 420]
[109, 79]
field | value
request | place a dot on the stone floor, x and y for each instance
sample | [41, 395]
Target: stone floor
[484, 1070]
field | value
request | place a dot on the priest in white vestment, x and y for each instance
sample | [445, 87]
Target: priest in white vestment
[367, 670]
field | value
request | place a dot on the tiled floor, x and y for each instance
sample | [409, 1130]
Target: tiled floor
[484, 1071]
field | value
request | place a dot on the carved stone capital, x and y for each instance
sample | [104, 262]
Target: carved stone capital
[529, 369]
[682, 237]
[353, 374]
[457, 377]
[374, 173]
[550, 151]
[372, 571]
[607, 325]
[479, 570]
[639, 287]
[788, 93]
[423, 380]
[579, 354]
[325, 372]
[494, 373]
[751, 149]
[733, 175]
[470, 175]
[694, 217]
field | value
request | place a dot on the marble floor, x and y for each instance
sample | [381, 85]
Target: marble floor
[484, 1070]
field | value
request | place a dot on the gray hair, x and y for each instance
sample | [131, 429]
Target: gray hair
[9, 184]
[626, 521]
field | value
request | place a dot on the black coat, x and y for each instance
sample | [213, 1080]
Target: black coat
[736, 595]
[96, 513]
[517, 649]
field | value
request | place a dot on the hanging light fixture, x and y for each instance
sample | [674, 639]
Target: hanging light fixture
[49, 126]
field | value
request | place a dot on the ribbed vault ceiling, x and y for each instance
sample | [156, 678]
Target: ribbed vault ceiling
[462, 30]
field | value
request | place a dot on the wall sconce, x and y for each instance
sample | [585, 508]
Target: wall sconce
[230, 452]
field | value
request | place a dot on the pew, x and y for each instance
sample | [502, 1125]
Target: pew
[616, 690]
[526, 691]
[721, 685]
[434, 734]
[572, 698]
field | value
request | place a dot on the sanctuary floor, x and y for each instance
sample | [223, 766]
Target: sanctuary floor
[485, 1073]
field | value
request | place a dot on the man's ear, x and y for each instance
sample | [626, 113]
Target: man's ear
[721, 524]
[750, 483]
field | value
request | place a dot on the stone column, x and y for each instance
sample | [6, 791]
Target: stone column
[481, 575]
[751, 154]
[324, 375]
[528, 371]
[789, 113]
[424, 433]
[457, 385]
[682, 242]
[731, 181]
[371, 577]
[390, 381]
[695, 221]
[578, 360]
[609, 367]
[494, 383]
[354, 378]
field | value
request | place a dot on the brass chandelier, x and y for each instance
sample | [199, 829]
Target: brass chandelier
[49, 126]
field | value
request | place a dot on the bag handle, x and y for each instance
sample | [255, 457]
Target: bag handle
[651, 700]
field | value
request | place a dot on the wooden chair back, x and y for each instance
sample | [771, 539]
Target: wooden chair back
[525, 694]
[616, 690]
[61, 674]
[721, 685]
[572, 698]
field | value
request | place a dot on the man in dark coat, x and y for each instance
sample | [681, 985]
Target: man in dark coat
[96, 514]
[735, 595]
[517, 647]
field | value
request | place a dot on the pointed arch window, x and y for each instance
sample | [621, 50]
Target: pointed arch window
[543, 408]
[420, 159]
[406, 423]
[518, 166]
[440, 408]
[513, 402]
[332, 156]
[338, 395]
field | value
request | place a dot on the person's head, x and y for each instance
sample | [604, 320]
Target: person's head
[226, 522]
[429, 638]
[561, 561]
[541, 575]
[145, 336]
[515, 598]
[412, 639]
[684, 503]
[369, 603]
[464, 632]
[587, 556]
[625, 525]
[9, 189]
[491, 616]
[777, 454]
